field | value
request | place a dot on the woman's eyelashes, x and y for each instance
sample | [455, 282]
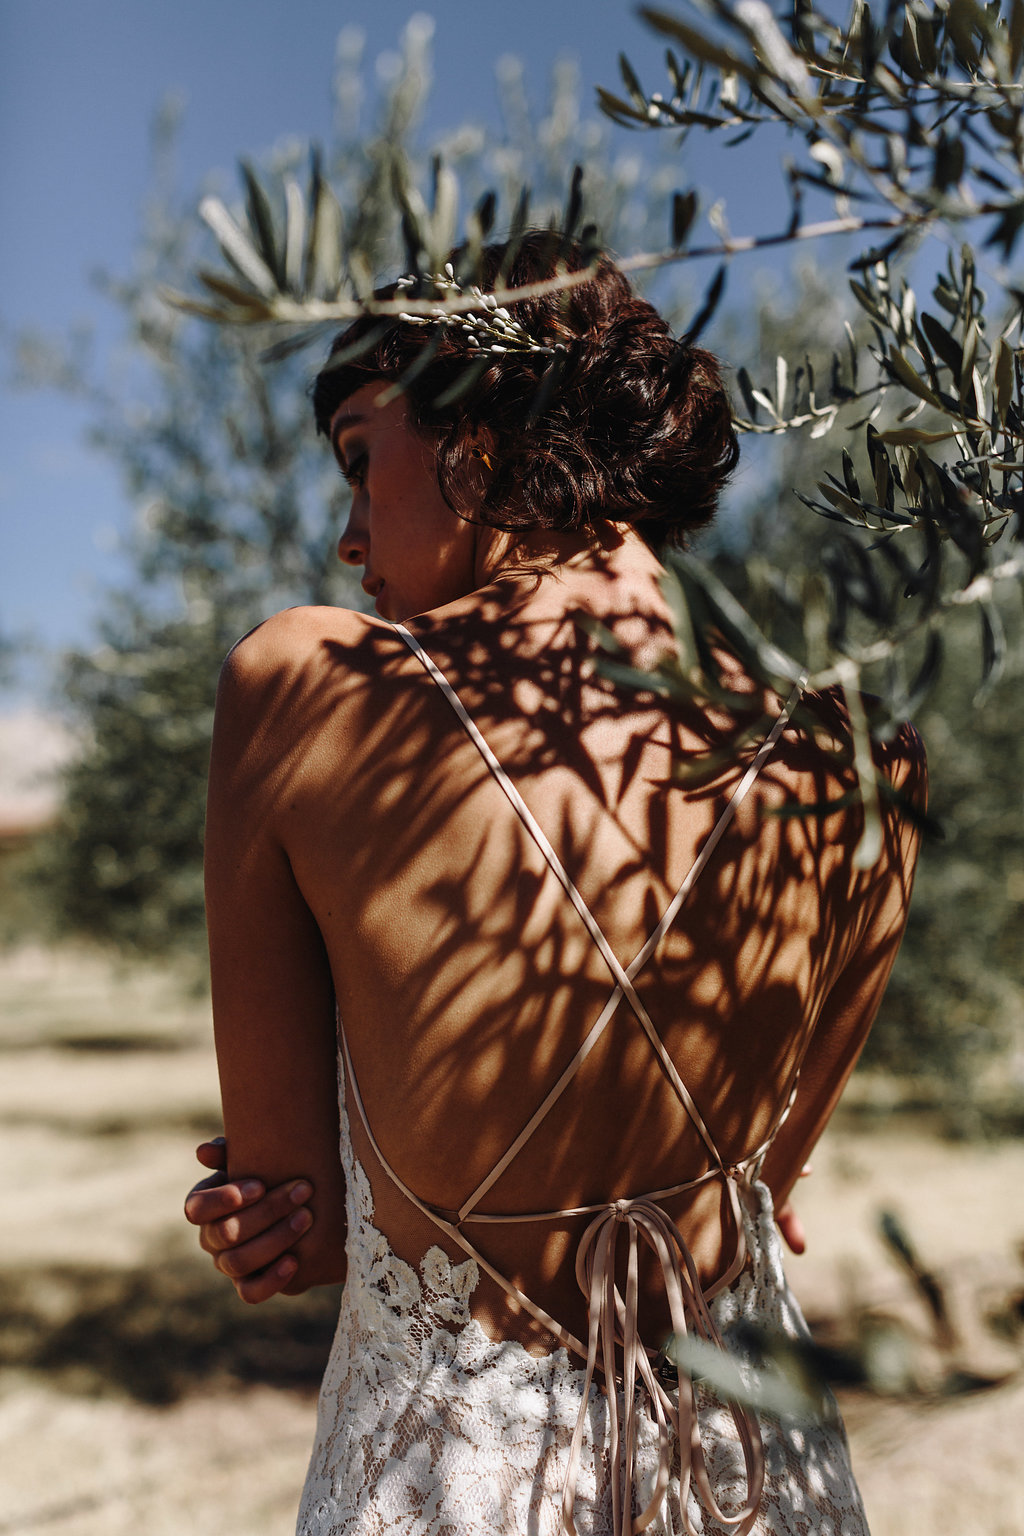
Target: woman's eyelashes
[355, 472]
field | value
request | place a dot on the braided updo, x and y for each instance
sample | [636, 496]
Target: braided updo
[637, 427]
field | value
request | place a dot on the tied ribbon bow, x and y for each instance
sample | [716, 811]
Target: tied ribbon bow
[613, 1322]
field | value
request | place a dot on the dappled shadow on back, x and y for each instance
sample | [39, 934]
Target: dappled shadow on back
[466, 980]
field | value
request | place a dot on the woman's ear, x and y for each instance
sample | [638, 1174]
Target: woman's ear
[482, 447]
[481, 463]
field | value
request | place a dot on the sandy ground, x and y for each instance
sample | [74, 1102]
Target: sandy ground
[138, 1396]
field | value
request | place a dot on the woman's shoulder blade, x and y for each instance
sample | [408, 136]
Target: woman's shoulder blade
[294, 643]
[290, 673]
[904, 762]
[899, 756]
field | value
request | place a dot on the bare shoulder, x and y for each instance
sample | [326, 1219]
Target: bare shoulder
[291, 645]
[903, 761]
[899, 757]
[283, 680]
[303, 657]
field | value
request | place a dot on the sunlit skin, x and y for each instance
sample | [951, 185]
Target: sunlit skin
[416, 553]
[355, 850]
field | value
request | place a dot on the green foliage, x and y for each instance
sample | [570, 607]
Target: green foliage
[873, 100]
[872, 109]
[239, 506]
[123, 864]
[934, 523]
[902, 428]
[953, 1015]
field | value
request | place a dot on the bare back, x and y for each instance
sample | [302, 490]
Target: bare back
[465, 978]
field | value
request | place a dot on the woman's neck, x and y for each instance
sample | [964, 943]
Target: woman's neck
[610, 574]
[609, 550]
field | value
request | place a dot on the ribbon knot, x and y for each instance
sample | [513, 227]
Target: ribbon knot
[613, 1327]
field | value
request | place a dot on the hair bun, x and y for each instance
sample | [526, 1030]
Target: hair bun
[638, 427]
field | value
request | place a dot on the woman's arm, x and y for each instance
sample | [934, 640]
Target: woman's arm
[273, 996]
[850, 1008]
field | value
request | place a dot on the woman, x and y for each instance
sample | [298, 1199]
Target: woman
[590, 1022]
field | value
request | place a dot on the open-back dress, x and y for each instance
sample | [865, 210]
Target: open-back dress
[429, 1427]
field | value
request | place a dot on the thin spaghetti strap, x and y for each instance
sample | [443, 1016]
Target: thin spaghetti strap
[451, 1228]
[558, 869]
[612, 1316]
[623, 977]
[612, 1319]
[640, 960]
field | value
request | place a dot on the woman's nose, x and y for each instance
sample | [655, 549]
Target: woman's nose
[352, 546]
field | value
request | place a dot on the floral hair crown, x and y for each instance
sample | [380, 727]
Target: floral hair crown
[489, 329]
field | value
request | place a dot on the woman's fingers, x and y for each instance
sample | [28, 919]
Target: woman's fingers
[792, 1228]
[256, 1288]
[238, 1225]
[246, 1228]
[247, 1261]
[213, 1154]
[218, 1196]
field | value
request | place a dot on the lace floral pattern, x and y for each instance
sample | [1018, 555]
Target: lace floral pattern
[426, 1427]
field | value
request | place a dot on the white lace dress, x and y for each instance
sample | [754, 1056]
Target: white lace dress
[426, 1427]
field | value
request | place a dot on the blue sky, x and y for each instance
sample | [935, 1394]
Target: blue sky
[80, 83]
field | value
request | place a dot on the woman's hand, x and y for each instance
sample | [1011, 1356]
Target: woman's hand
[792, 1228]
[247, 1229]
[789, 1223]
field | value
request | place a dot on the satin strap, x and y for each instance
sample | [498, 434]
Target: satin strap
[623, 977]
[613, 1320]
[613, 1323]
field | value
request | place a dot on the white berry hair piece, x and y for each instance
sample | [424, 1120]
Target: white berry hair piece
[489, 329]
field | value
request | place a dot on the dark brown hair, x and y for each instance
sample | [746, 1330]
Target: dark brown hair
[635, 426]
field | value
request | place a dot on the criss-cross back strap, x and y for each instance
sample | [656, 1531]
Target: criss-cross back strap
[623, 977]
[612, 1321]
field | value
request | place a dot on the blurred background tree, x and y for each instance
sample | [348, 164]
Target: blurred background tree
[242, 509]
[951, 1026]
